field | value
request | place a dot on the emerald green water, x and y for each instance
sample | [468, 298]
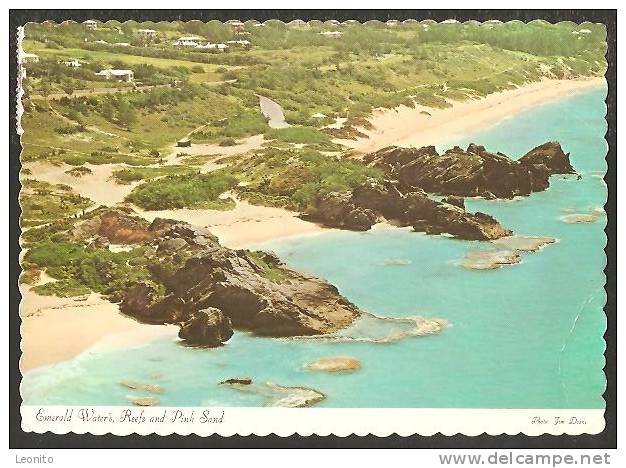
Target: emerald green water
[524, 336]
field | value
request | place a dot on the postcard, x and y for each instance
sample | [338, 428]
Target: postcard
[312, 227]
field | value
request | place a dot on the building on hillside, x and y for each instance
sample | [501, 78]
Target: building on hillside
[122, 44]
[91, 25]
[187, 41]
[25, 57]
[183, 143]
[242, 43]
[210, 46]
[331, 34]
[146, 34]
[99, 42]
[119, 75]
[72, 63]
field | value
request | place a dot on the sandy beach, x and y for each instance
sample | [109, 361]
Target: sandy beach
[421, 126]
[243, 226]
[56, 329]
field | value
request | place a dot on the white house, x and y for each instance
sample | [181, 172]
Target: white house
[90, 24]
[146, 33]
[122, 44]
[72, 63]
[333, 34]
[239, 43]
[219, 47]
[120, 75]
[28, 58]
[187, 41]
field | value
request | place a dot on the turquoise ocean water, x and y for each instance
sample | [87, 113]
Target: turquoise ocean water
[524, 336]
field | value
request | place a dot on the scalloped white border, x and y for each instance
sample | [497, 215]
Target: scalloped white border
[285, 422]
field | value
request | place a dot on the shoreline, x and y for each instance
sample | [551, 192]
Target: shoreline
[423, 126]
[57, 329]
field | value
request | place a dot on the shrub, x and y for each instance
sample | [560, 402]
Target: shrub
[184, 191]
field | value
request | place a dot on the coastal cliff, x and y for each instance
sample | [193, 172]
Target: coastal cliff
[374, 202]
[209, 290]
[472, 172]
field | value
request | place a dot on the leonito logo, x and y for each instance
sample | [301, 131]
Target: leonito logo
[34, 460]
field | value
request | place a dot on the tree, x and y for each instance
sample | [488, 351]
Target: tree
[125, 113]
[45, 90]
[68, 87]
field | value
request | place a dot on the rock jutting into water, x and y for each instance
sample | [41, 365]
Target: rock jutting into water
[472, 172]
[373, 202]
[152, 388]
[279, 395]
[237, 380]
[490, 259]
[209, 290]
[369, 328]
[397, 262]
[580, 218]
[524, 243]
[507, 252]
[210, 327]
[335, 364]
[144, 401]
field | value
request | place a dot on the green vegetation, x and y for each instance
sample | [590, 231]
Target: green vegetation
[225, 131]
[267, 265]
[134, 174]
[185, 191]
[72, 116]
[79, 269]
[299, 135]
[42, 202]
[295, 178]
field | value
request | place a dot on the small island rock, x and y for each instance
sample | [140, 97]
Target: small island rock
[335, 364]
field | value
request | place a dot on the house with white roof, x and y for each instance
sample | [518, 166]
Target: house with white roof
[239, 43]
[187, 41]
[72, 63]
[146, 33]
[210, 46]
[119, 75]
[332, 34]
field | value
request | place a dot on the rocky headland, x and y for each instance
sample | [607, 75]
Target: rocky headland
[374, 202]
[209, 290]
[411, 174]
[474, 171]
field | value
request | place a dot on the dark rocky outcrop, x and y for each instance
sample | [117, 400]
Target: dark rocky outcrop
[472, 172]
[374, 201]
[207, 289]
[339, 210]
[207, 327]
